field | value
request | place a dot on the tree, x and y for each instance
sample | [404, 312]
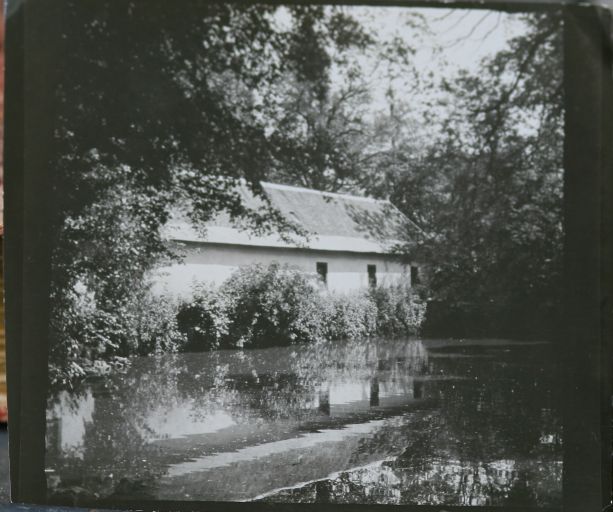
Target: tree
[328, 130]
[488, 190]
[156, 108]
[318, 127]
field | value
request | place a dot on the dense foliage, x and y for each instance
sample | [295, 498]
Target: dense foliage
[487, 191]
[261, 306]
[156, 108]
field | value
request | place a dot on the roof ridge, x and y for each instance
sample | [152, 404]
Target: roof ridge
[322, 192]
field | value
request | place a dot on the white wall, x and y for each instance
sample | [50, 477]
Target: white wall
[215, 263]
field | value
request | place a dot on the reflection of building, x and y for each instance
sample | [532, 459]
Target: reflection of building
[349, 243]
[341, 398]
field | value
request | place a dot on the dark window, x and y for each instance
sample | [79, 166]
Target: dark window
[372, 275]
[414, 275]
[322, 271]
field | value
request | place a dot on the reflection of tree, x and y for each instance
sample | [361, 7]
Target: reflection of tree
[115, 444]
[493, 439]
[495, 412]
[361, 359]
[423, 478]
[500, 399]
[280, 385]
[482, 446]
[117, 458]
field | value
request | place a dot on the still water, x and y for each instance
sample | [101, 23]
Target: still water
[368, 421]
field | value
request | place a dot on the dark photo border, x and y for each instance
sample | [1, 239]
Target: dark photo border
[588, 254]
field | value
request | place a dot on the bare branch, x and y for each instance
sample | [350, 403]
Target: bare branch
[470, 33]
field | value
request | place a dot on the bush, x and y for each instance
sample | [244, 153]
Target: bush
[204, 320]
[153, 325]
[262, 306]
[352, 315]
[399, 309]
[269, 305]
[91, 335]
[258, 306]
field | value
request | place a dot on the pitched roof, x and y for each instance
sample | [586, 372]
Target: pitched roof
[335, 222]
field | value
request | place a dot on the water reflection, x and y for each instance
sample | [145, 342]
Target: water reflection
[67, 420]
[374, 421]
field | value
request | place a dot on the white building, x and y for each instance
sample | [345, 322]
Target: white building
[349, 244]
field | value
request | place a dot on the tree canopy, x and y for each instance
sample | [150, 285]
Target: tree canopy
[156, 107]
[488, 190]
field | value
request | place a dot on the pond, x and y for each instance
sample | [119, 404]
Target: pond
[366, 421]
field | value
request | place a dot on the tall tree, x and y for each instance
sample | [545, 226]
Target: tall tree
[488, 190]
[318, 126]
[159, 104]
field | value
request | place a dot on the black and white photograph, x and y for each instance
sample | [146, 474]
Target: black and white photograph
[305, 254]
